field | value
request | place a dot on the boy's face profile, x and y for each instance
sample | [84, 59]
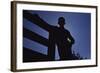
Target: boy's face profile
[61, 21]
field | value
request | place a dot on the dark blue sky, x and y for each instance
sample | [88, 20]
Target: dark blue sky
[79, 25]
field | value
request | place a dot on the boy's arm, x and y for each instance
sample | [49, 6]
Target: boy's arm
[70, 38]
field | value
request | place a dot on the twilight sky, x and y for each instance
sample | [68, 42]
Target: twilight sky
[79, 25]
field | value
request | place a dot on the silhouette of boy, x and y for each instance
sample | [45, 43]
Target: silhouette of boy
[62, 38]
